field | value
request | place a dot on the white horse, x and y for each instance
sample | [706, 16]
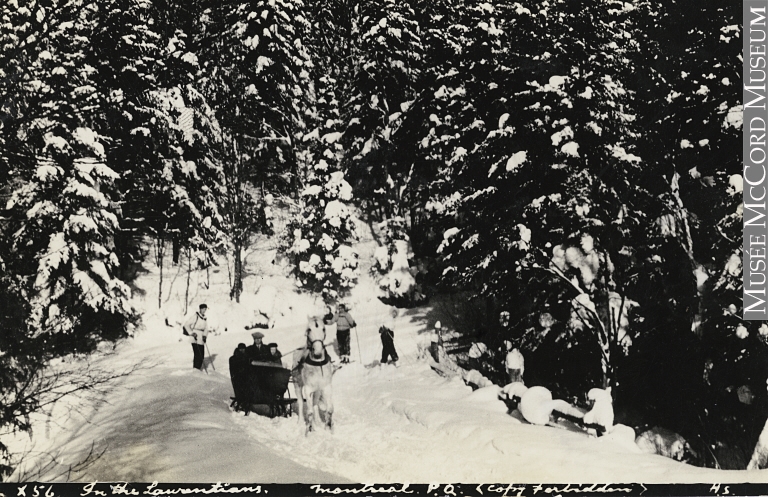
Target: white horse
[313, 372]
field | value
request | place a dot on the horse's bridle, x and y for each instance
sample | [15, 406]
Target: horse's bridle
[317, 362]
[311, 343]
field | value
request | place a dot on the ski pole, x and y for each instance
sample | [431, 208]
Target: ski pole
[209, 355]
[357, 337]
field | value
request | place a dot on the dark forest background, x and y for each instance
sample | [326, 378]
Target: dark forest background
[574, 163]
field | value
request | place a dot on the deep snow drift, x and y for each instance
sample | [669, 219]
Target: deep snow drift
[169, 422]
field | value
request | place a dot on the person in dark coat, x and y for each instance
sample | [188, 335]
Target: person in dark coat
[274, 354]
[258, 352]
[344, 323]
[388, 339]
[238, 369]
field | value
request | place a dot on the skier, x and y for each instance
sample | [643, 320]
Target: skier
[388, 339]
[197, 328]
[344, 323]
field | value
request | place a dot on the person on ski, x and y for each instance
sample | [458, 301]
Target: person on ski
[344, 323]
[196, 328]
[258, 351]
[387, 333]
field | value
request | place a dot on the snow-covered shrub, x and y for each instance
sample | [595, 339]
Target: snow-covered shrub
[536, 405]
[602, 410]
[266, 306]
[476, 378]
[623, 435]
[663, 442]
[515, 389]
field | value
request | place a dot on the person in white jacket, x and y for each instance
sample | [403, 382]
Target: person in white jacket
[197, 328]
[514, 363]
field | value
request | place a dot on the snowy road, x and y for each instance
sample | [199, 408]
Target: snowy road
[403, 424]
[166, 424]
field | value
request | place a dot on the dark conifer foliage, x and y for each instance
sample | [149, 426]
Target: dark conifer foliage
[574, 163]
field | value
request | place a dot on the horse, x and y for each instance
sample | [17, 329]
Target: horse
[313, 372]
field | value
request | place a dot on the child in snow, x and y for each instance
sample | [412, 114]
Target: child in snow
[388, 339]
[196, 327]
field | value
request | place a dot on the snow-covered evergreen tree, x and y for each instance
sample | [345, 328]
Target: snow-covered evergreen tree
[63, 218]
[392, 263]
[320, 237]
[387, 60]
[256, 73]
[318, 240]
[74, 294]
[694, 136]
[164, 139]
[538, 151]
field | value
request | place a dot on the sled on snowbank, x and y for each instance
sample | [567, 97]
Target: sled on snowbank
[261, 387]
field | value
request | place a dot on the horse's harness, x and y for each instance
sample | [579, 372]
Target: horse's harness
[314, 362]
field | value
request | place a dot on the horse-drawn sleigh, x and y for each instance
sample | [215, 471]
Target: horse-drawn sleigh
[261, 387]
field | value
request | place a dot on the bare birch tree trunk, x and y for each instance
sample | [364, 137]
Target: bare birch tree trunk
[159, 256]
[189, 273]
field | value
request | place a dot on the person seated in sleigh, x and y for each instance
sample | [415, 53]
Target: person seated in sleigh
[274, 354]
[258, 351]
